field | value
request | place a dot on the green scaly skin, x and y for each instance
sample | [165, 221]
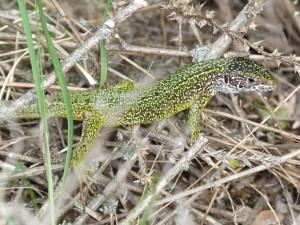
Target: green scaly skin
[122, 104]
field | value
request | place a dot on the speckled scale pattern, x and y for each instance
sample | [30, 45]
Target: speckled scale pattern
[190, 87]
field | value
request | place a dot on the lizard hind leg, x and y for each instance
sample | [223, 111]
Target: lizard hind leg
[90, 130]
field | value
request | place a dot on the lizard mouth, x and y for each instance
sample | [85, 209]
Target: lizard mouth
[267, 86]
[270, 84]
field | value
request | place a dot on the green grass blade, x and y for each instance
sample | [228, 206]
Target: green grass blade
[32, 195]
[41, 101]
[103, 58]
[64, 90]
[151, 188]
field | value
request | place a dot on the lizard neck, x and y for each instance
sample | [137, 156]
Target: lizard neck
[191, 82]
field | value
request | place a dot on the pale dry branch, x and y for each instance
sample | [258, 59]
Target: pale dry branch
[245, 17]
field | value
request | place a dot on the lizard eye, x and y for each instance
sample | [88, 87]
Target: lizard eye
[251, 80]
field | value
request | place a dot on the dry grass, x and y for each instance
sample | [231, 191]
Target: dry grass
[248, 171]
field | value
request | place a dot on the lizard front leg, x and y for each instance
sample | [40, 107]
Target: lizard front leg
[194, 116]
[90, 129]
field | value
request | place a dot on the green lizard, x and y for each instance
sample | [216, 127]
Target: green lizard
[123, 104]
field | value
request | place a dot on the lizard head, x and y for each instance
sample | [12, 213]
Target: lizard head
[244, 75]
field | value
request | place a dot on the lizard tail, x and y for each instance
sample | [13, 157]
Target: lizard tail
[29, 112]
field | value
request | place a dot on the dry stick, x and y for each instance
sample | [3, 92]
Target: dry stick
[124, 48]
[19, 157]
[99, 199]
[267, 203]
[136, 141]
[102, 33]
[245, 17]
[293, 11]
[31, 85]
[271, 113]
[67, 19]
[213, 198]
[238, 110]
[4, 177]
[267, 118]
[9, 168]
[225, 180]
[250, 149]
[78, 37]
[61, 52]
[260, 204]
[266, 58]
[138, 67]
[109, 189]
[16, 19]
[177, 168]
[258, 125]
[42, 39]
[209, 219]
